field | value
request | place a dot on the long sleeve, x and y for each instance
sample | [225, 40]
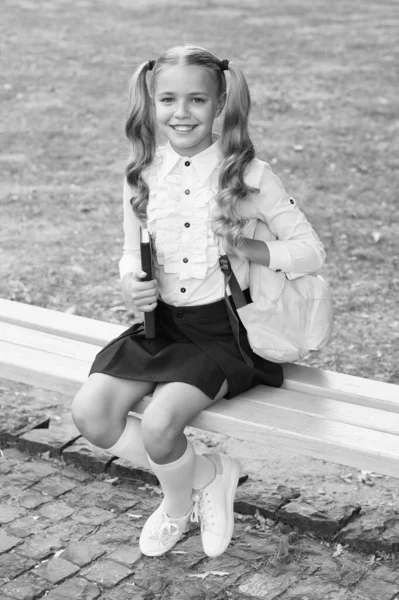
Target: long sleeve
[297, 249]
[131, 260]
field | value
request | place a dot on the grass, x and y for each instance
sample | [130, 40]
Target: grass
[323, 78]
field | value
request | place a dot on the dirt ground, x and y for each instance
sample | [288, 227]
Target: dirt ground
[323, 78]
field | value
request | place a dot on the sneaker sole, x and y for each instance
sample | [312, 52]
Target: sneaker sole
[235, 476]
[160, 552]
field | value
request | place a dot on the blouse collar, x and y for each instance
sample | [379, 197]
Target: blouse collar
[204, 163]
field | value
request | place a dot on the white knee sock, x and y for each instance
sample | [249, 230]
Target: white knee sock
[176, 479]
[204, 472]
[130, 445]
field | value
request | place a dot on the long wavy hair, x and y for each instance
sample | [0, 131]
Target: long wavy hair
[236, 145]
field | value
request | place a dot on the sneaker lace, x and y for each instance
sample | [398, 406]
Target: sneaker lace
[196, 512]
[167, 528]
[202, 510]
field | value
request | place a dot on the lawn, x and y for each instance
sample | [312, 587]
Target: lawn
[324, 82]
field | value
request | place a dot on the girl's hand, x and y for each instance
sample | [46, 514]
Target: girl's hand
[256, 251]
[141, 294]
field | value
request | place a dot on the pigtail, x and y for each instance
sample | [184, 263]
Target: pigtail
[238, 151]
[140, 131]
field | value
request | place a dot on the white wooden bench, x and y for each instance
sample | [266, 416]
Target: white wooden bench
[326, 415]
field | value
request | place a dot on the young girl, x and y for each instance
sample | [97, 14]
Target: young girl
[200, 196]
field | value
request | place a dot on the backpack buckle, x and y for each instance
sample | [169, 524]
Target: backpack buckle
[225, 265]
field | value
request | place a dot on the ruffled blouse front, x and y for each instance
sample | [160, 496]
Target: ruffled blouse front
[179, 218]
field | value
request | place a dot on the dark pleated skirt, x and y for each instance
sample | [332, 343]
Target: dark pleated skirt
[194, 345]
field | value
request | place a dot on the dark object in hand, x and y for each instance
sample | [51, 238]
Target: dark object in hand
[146, 265]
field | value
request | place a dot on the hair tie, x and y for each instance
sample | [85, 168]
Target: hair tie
[224, 64]
[151, 64]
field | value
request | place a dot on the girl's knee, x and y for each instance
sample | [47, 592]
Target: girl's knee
[159, 428]
[92, 415]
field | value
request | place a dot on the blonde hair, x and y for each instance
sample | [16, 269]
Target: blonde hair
[236, 145]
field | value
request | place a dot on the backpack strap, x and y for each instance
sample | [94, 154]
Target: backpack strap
[239, 300]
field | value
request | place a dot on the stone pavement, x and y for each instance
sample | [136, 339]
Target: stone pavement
[71, 515]
[70, 534]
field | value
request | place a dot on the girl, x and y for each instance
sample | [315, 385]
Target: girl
[200, 196]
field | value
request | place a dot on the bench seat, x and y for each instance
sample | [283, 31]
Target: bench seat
[349, 420]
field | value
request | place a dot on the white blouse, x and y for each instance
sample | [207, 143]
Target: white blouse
[181, 202]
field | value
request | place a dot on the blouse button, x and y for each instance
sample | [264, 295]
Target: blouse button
[182, 290]
[187, 163]
[187, 192]
[292, 200]
[186, 224]
[185, 260]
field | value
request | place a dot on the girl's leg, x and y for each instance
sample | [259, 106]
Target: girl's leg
[100, 412]
[173, 460]
[171, 456]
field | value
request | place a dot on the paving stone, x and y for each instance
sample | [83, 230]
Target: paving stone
[125, 470]
[267, 504]
[373, 588]
[320, 514]
[55, 486]
[374, 531]
[12, 565]
[29, 525]
[86, 495]
[9, 513]
[26, 474]
[126, 555]
[74, 473]
[25, 587]
[93, 515]
[39, 468]
[192, 590]
[56, 570]
[56, 511]
[117, 532]
[54, 538]
[84, 454]
[12, 453]
[33, 499]
[187, 554]
[18, 420]
[6, 466]
[83, 553]
[264, 585]
[234, 567]
[75, 589]
[40, 548]
[7, 542]
[342, 571]
[118, 502]
[9, 493]
[314, 589]
[126, 591]
[382, 572]
[155, 575]
[258, 544]
[58, 436]
[107, 573]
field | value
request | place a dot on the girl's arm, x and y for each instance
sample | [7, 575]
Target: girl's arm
[142, 294]
[131, 259]
[297, 249]
[256, 251]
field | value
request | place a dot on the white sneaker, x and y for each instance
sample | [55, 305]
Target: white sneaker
[214, 505]
[160, 532]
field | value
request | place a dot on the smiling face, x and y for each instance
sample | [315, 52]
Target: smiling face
[186, 103]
